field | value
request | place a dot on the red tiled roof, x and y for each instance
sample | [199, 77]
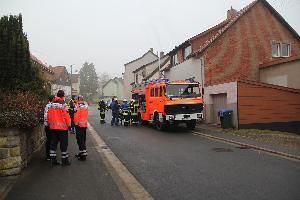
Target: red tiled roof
[279, 61]
[44, 67]
[58, 70]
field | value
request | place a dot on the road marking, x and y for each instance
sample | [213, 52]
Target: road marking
[257, 148]
[126, 182]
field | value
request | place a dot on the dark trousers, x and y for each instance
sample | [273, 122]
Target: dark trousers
[115, 118]
[81, 139]
[48, 141]
[60, 137]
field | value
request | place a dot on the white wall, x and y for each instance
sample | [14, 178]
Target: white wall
[129, 68]
[187, 69]
[231, 90]
[55, 88]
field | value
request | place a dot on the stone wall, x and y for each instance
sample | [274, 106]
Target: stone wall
[17, 147]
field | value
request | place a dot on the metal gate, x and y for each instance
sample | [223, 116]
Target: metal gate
[219, 102]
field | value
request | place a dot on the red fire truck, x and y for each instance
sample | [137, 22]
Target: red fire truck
[170, 103]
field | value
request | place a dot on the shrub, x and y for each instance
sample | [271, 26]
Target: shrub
[20, 109]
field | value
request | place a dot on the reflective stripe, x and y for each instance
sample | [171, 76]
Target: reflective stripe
[57, 124]
[84, 154]
[52, 154]
[66, 156]
[77, 123]
[64, 153]
[82, 151]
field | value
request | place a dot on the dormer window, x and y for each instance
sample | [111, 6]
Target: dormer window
[174, 60]
[187, 52]
[281, 49]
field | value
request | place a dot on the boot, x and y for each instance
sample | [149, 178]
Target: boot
[65, 162]
[82, 158]
[54, 162]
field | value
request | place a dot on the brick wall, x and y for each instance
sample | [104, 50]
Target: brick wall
[240, 50]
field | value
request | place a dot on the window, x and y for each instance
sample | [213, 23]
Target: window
[187, 52]
[174, 60]
[136, 78]
[161, 91]
[156, 92]
[281, 49]
[276, 49]
[152, 92]
[285, 49]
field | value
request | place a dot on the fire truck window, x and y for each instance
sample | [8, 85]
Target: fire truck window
[152, 92]
[161, 91]
[156, 92]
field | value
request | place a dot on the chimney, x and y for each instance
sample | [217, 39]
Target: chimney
[161, 54]
[231, 13]
[151, 49]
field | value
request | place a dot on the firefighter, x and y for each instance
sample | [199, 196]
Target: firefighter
[80, 121]
[47, 130]
[125, 112]
[59, 121]
[71, 111]
[102, 108]
[134, 105]
[115, 110]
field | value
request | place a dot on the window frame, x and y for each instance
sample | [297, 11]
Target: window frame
[156, 92]
[185, 55]
[280, 49]
[288, 50]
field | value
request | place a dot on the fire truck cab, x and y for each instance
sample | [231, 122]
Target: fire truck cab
[169, 103]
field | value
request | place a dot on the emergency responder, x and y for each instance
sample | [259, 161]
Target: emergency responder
[102, 108]
[71, 111]
[47, 131]
[115, 111]
[125, 112]
[134, 105]
[80, 120]
[59, 122]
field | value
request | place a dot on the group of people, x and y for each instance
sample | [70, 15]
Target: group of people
[125, 113]
[61, 118]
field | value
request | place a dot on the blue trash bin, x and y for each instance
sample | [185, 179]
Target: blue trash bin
[226, 118]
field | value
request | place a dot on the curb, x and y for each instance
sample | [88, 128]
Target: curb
[279, 153]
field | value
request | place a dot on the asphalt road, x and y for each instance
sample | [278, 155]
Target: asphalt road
[179, 165]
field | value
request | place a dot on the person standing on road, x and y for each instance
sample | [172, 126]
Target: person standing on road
[102, 108]
[59, 122]
[71, 111]
[81, 120]
[115, 110]
[47, 130]
[134, 106]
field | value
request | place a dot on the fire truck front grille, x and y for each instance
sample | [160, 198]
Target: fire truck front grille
[183, 109]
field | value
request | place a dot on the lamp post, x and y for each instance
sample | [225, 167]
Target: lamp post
[71, 78]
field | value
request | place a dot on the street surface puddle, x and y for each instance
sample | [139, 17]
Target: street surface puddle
[222, 150]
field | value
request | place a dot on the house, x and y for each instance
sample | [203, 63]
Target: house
[251, 50]
[113, 88]
[75, 84]
[151, 70]
[128, 76]
[47, 73]
[62, 80]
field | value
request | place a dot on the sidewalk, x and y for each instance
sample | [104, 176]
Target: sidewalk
[216, 131]
[81, 180]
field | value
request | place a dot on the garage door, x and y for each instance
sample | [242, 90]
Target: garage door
[219, 102]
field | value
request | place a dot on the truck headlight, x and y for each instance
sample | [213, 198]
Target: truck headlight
[199, 115]
[171, 117]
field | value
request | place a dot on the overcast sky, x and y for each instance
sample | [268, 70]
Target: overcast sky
[113, 32]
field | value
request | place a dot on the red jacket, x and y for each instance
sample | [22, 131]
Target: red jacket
[81, 116]
[58, 117]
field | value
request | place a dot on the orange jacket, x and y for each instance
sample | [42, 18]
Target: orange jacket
[81, 116]
[58, 117]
